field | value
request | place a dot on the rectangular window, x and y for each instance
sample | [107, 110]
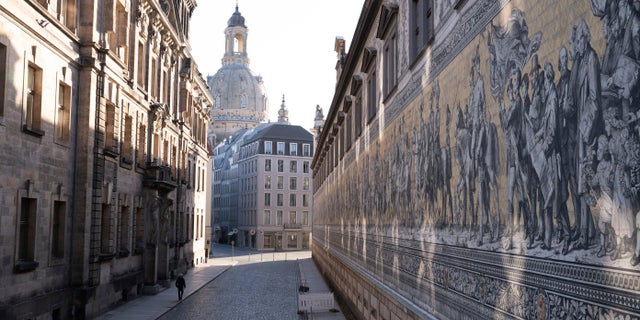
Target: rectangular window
[358, 114]
[292, 217]
[34, 99]
[349, 128]
[279, 217]
[141, 143]
[268, 149]
[138, 230]
[420, 26]
[292, 200]
[280, 200]
[306, 150]
[293, 149]
[105, 229]
[305, 218]
[27, 229]
[305, 167]
[293, 183]
[293, 166]
[266, 218]
[267, 199]
[110, 127]
[280, 182]
[3, 76]
[305, 200]
[267, 182]
[390, 62]
[305, 183]
[142, 68]
[57, 229]
[267, 165]
[127, 144]
[123, 232]
[154, 79]
[62, 112]
[281, 148]
[372, 103]
[280, 165]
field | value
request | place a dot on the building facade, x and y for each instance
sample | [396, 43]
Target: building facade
[272, 175]
[480, 159]
[104, 118]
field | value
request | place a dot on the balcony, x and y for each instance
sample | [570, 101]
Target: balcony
[292, 226]
[158, 177]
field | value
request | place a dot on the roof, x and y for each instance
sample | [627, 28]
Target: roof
[280, 131]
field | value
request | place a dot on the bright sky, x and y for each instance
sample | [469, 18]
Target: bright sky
[290, 43]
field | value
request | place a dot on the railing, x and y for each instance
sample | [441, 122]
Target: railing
[292, 226]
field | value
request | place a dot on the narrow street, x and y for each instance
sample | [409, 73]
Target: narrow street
[260, 286]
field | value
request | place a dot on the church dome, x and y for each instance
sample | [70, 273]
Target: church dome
[236, 87]
[236, 20]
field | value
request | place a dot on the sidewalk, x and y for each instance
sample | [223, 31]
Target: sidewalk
[151, 307]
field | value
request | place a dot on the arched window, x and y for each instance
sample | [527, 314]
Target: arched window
[217, 105]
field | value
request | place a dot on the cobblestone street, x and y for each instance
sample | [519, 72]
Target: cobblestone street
[260, 286]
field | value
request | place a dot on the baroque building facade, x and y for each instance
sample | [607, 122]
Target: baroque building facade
[104, 117]
[480, 159]
[262, 182]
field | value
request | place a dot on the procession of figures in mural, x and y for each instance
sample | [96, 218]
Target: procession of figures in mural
[570, 132]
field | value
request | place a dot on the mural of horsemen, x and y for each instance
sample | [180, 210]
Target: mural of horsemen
[541, 158]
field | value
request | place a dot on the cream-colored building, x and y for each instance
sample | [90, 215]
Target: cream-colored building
[103, 119]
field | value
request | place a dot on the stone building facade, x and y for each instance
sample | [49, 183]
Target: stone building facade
[480, 159]
[104, 117]
[264, 182]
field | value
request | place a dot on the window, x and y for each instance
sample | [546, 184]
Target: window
[27, 229]
[281, 148]
[127, 146]
[293, 149]
[420, 26]
[292, 240]
[141, 143]
[305, 200]
[390, 62]
[268, 147]
[305, 167]
[109, 128]
[358, 114]
[293, 166]
[280, 182]
[3, 76]
[217, 102]
[280, 200]
[138, 230]
[293, 183]
[292, 200]
[266, 218]
[280, 165]
[305, 218]
[57, 229]
[123, 233]
[306, 150]
[267, 165]
[243, 101]
[154, 79]
[305, 183]
[267, 182]
[62, 112]
[279, 217]
[372, 103]
[105, 230]
[142, 68]
[34, 100]
[267, 199]
[292, 217]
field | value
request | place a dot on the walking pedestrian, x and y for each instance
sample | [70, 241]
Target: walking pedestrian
[180, 284]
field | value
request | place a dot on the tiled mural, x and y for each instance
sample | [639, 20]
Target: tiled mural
[512, 180]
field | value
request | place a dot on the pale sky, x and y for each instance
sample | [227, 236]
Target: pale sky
[290, 44]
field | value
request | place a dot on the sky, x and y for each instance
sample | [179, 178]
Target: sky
[290, 44]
